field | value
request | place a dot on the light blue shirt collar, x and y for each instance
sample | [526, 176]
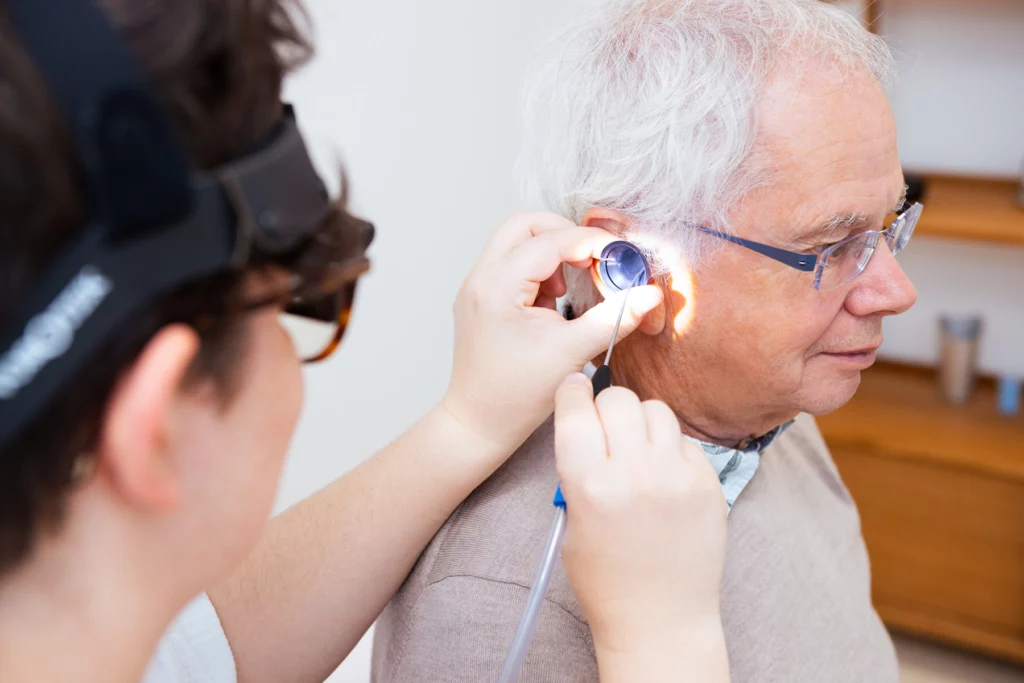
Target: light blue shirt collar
[736, 466]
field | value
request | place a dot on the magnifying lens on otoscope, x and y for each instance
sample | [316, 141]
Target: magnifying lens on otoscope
[621, 267]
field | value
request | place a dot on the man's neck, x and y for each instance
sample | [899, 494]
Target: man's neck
[699, 418]
[696, 432]
[726, 435]
[86, 619]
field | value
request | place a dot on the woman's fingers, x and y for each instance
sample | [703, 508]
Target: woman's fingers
[511, 353]
[520, 228]
[554, 286]
[623, 419]
[537, 259]
[579, 437]
[593, 330]
[662, 424]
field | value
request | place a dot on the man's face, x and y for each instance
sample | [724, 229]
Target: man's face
[757, 343]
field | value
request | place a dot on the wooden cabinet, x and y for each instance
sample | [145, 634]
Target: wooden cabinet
[941, 496]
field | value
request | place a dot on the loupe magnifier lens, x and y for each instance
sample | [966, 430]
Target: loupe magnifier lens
[622, 264]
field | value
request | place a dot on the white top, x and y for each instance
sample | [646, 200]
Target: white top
[194, 649]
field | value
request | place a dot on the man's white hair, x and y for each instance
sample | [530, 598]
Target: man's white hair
[648, 106]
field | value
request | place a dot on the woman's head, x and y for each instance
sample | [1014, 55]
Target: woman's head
[175, 432]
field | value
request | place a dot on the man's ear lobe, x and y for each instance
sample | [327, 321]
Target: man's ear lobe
[136, 450]
[653, 323]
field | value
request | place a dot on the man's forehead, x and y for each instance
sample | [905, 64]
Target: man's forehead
[827, 140]
[830, 214]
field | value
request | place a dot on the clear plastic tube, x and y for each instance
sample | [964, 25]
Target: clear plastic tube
[531, 613]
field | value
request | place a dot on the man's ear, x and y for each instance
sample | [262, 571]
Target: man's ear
[613, 221]
[617, 223]
[136, 449]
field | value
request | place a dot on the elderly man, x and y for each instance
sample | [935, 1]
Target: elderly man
[749, 145]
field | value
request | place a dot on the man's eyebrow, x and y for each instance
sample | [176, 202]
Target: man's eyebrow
[903, 199]
[847, 221]
[837, 224]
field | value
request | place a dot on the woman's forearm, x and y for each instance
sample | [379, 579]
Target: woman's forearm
[328, 566]
[695, 653]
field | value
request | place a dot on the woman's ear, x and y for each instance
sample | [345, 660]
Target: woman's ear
[136, 450]
[617, 223]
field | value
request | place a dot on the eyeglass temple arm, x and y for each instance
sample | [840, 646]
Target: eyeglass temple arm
[804, 262]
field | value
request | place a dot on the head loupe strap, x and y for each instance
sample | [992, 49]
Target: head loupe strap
[146, 236]
[137, 176]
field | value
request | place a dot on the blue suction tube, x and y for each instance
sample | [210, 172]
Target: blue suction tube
[535, 600]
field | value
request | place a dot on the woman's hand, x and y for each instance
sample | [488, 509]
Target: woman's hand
[512, 348]
[645, 540]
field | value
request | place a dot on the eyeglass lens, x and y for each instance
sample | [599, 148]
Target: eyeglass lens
[316, 338]
[850, 258]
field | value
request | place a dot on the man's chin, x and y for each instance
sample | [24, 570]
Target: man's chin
[830, 390]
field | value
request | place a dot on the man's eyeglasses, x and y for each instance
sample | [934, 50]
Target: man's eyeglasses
[841, 262]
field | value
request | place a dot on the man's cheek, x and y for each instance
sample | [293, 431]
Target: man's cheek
[820, 322]
[785, 326]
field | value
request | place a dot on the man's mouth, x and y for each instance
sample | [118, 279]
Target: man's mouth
[864, 355]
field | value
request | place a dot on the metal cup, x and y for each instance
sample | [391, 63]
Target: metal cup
[958, 350]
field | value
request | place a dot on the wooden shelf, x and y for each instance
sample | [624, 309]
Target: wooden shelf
[874, 10]
[901, 410]
[972, 208]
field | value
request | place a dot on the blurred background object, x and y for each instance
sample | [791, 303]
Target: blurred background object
[1009, 395]
[421, 103]
[957, 356]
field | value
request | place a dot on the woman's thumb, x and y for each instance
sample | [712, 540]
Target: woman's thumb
[593, 329]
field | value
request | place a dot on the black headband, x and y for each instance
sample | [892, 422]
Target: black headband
[154, 224]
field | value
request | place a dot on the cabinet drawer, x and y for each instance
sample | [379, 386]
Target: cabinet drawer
[946, 547]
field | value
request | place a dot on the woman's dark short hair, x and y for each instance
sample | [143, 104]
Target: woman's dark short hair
[218, 66]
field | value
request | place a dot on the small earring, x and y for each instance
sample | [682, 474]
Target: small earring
[83, 468]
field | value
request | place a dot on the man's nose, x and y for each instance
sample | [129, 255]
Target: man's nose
[883, 288]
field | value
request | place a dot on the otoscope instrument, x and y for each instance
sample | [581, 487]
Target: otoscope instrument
[621, 267]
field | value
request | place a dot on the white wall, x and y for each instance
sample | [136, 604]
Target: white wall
[420, 100]
[960, 102]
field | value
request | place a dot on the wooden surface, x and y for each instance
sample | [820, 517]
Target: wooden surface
[972, 208]
[901, 411]
[940, 490]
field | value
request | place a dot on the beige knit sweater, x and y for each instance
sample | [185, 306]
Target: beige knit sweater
[796, 594]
